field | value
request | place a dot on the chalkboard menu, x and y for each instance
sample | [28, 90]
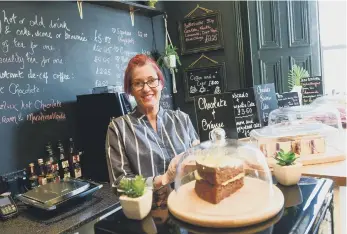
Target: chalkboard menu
[312, 87]
[48, 55]
[204, 80]
[245, 110]
[215, 111]
[201, 33]
[265, 97]
[288, 99]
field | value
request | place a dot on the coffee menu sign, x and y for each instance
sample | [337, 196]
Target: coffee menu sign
[215, 111]
[204, 80]
[312, 87]
[201, 33]
[288, 99]
[245, 110]
[266, 101]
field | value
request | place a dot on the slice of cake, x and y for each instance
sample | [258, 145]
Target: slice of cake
[218, 178]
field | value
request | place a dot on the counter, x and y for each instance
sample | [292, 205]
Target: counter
[307, 209]
[64, 220]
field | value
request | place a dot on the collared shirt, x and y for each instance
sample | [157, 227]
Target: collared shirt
[133, 147]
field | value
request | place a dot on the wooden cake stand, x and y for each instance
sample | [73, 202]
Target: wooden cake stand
[255, 202]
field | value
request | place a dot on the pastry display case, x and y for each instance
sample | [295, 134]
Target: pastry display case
[327, 115]
[338, 101]
[224, 183]
[312, 141]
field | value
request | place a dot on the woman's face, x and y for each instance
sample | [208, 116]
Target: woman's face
[146, 97]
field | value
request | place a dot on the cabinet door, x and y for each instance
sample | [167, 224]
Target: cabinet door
[283, 33]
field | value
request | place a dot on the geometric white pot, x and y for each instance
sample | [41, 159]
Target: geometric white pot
[137, 208]
[170, 61]
[288, 175]
[298, 89]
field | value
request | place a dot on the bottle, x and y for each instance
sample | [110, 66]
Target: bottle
[33, 179]
[53, 162]
[63, 162]
[41, 172]
[49, 172]
[74, 160]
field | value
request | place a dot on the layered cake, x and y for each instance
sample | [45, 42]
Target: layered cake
[218, 177]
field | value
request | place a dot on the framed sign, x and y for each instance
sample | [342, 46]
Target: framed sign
[288, 99]
[215, 111]
[266, 99]
[312, 87]
[245, 111]
[205, 80]
[201, 33]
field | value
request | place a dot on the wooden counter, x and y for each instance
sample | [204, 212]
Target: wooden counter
[335, 171]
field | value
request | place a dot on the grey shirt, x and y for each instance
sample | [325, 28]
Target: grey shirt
[133, 147]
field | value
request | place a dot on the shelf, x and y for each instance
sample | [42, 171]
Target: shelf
[126, 5]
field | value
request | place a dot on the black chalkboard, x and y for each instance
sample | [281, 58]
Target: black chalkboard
[312, 87]
[48, 55]
[201, 33]
[214, 111]
[204, 80]
[288, 99]
[265, 97]
[245, 110]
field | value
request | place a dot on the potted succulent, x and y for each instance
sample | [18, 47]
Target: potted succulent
[135, 198]
[169, 58]
[294, 77]
[286, 170]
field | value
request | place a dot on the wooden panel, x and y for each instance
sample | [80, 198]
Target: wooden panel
[304, 61]
[271, 72]
[269, 34]
[298, 25]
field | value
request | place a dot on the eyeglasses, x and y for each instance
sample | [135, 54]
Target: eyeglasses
[152, 83]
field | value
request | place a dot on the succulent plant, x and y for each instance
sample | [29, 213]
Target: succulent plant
[132, 187]
[285, 159]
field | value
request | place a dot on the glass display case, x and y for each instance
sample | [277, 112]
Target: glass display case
[306, 114]
[338, 101]
[224, 183]
[304, 138]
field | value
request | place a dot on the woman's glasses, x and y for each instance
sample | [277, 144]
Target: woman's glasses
[138, 85]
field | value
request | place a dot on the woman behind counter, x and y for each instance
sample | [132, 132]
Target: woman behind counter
[149, 140]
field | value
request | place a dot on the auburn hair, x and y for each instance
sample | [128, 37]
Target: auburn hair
[140, 60]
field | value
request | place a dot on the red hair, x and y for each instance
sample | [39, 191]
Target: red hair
[139, 61]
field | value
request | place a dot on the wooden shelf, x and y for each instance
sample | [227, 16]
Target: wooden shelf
[126, 5]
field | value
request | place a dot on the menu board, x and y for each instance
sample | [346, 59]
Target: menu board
[265, 97]
[245, 110]
[288, 99]
[204, 80]
[48, 56]
[312, 87]
[201, 33]
[214, 111]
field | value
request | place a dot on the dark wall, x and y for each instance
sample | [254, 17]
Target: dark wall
[232, 54]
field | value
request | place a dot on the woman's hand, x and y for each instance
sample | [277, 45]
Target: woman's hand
[170, 174]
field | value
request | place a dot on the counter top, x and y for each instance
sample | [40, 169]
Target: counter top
[306, 207]
[64, 220]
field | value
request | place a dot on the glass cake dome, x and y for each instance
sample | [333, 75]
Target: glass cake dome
[306, 114]
[338, 101]
[224, 183]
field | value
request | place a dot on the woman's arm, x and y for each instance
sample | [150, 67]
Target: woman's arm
[194, 137]
[117, 159]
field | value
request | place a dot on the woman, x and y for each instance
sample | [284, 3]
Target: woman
[149, 140]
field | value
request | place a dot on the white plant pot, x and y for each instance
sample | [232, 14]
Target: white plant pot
[170, 61]
[137, 208]
[298, 89]
[288, 175]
